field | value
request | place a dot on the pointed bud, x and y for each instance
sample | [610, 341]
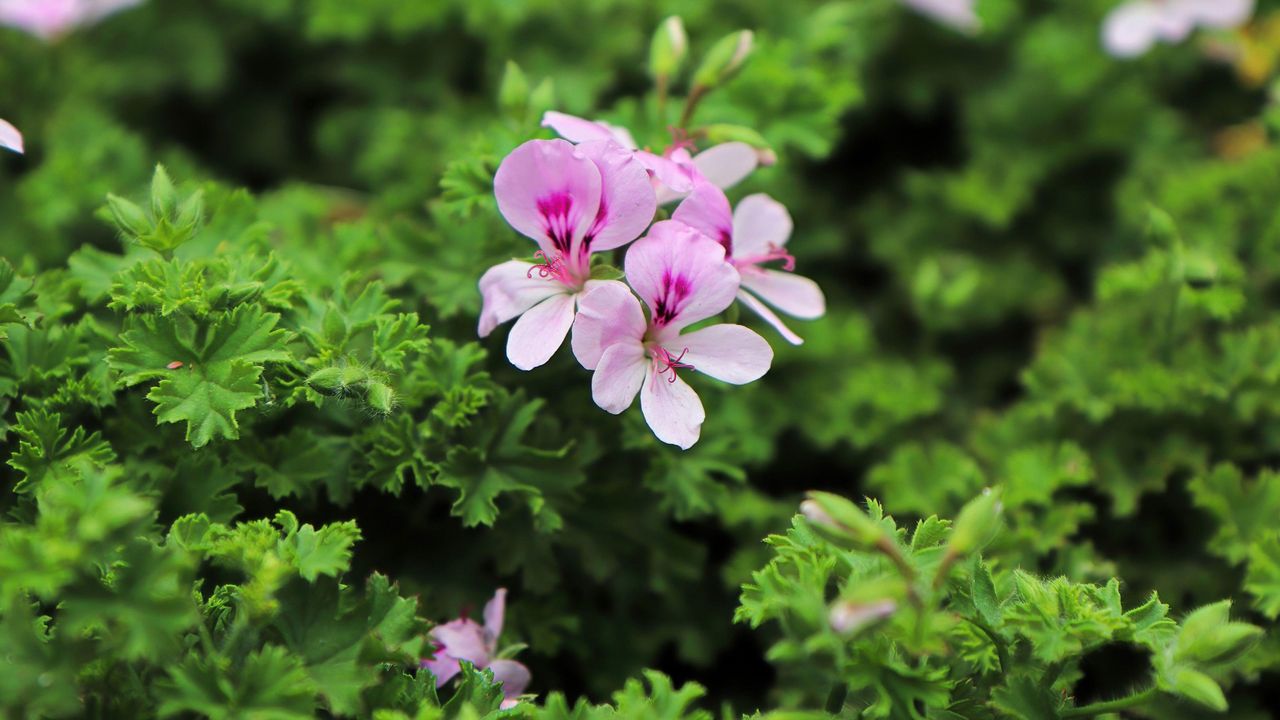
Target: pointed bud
[668, 48]
[513, 91]
[977, 523]
[164, 196]
[724, 59]
[840, 519]
[327, 381]
[353, 375]
[380, 397]
[1195, 685]
[129, 218]
[190, 213]
[542, 98]
[848, 617]
[1208, 636]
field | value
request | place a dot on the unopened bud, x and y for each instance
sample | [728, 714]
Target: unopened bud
[129, 218]
[1195, 685]
[164, 196]
[1208, 636]
[977, 523]
[380, 397]
[724, 60]
[513, 91]
[841, 519]
[848, 617]
[668, 48]
[326, 380]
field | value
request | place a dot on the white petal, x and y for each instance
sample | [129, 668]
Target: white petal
[726, 164]
[10, 137]
[540, 332]
[672, 409]
[760, 223]
[730, 353]
[1131, 29]
[607, 313]
[763, 311]
[618, 376]
[793, 294]
[508, 289]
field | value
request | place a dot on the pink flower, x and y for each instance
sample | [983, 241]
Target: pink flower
[958, 14]
[465, 639]
[1132, 28]
[48, 19]
[573, 201]
[752, 235]
[682, 277]
[10, 138]
[675, 171]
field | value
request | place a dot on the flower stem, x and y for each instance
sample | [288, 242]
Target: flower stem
[691, 104]
[1107, 706]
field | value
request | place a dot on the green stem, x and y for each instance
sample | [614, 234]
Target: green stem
[1108, 706]
[691, 104]
[660, 84]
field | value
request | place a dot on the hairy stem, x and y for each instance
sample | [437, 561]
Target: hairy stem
[1138, 698]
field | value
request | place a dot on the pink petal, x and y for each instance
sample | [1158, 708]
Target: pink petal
[627, 201]
[726, 164]
[793, 294]
[674, 177]
[707, 211]
[443, 667]
[607, 313]
[461, 639]
[549, 190]
[494, 612]
[580, 130]
[1222, 13]
[681, 275]
[618, 376]
[540, 332]
[509, 290]
[513, 675]
[672, 409]
[760, 224]
[730, 353]
[1131, 29]
[10, 137]
[763, 311]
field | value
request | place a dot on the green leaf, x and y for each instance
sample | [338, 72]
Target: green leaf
[270, 684]
[209, 370]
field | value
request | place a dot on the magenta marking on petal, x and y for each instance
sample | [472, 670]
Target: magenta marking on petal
[775, 253]
[673, 364]
[675, 288]
[556, 210]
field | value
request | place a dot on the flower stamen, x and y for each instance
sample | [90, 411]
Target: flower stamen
[671, 363]
[549, 267]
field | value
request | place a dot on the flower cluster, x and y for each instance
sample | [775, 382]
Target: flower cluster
[579, 200]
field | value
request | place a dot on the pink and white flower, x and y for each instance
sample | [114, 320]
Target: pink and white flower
[48, 19]
[683, 278]
[754, 234]
[10, 138]
[573, 201]
[676, 169]
[465, 639]
[957, 14]
[1132, 28]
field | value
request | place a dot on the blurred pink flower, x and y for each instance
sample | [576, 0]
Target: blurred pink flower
[1132, 28]
[683, 278]
[10, 138]
[676, 169]
[753, 234]
[465, 639]
[573, 201]
[50, 18]
[958, 14]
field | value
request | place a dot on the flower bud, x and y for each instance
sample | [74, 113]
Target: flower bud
[668, 48]
[847, 617]
[976, 524]
[724, 60]
[840, 518]
[129, 218]
[1195, 685]
[513, 91]
[380, 397]
[164, 196]
[1208, 636]
[327, 381]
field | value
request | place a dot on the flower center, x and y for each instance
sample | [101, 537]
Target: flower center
[774, 253]
[663, 356]
[550, 268]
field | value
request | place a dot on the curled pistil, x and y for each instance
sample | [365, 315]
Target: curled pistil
[662, 355]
